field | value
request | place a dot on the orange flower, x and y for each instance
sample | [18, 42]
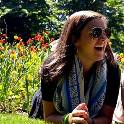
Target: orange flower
[19, 45]
[32, 48]
[1, 48]
[13, 54]
[21, 53]
[46, 32]
[1, 41]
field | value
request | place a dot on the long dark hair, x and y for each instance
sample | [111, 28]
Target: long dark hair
[60, 60]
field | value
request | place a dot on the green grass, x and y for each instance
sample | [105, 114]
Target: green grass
[18, 119]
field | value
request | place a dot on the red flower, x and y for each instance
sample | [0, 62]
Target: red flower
[52, 39]
[29, 41]
[44, 46]
[21, 43]
[4, 35]
[4, 40]
[38, 37]
[19, 38]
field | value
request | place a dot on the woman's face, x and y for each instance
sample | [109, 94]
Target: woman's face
[89, 47]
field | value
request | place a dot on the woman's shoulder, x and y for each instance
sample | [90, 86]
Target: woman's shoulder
[113, 65]
[114, 72]
[113, 83]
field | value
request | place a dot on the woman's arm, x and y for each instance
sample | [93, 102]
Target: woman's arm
[105, 116]
[50, 114]
[78, 115]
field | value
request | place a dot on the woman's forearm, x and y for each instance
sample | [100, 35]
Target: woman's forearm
[55, 118]
[102, 120]
[58, 119]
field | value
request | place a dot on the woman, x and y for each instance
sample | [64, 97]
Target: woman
[74, 78]
[118, 116]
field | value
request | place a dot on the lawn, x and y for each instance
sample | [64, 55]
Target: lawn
[18, 119]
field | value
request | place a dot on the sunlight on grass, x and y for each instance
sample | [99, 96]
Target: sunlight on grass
[18, 119]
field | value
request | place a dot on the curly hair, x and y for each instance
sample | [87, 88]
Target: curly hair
[60, 61]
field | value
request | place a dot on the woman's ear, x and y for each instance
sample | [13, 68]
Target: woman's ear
[75, 41]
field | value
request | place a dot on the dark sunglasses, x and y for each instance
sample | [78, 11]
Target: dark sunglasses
[97, 32]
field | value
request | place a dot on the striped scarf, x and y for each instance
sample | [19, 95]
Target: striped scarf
[69, 92]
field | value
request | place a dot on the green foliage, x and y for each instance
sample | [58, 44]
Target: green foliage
[18, 119]
[25, 17]
[19, 71]
[115, 12]
[114, 9]
[18, 75]
[31, 16]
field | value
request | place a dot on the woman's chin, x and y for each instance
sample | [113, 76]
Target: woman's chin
[98, 58]
[101, 58]
[100, 55]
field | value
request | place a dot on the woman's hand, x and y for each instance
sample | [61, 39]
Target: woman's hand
[79, 115]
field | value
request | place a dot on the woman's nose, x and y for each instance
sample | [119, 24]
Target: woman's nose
[103, 36]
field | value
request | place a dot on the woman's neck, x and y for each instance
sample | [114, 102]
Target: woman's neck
[87, 64]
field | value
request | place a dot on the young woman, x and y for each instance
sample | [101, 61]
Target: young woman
[76, 83]
[118, 116]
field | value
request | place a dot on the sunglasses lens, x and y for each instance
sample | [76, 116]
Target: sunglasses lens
[108, 32]
[96, 32]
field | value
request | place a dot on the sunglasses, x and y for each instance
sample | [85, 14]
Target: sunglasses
[97, 32]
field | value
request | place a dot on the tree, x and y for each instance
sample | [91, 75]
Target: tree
[115, 12]
[25, 17]
[40, 15]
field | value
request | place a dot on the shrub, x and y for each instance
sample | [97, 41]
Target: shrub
[19, 66]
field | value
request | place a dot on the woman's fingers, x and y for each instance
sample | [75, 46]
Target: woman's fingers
[80, 113]
[81, 110]
[82, 106]
[78, 120]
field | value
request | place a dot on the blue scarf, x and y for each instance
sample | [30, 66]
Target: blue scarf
[69, 92]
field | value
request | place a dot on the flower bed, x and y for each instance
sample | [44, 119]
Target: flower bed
[19, 66]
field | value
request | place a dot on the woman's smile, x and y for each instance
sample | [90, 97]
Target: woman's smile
[98, 48]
